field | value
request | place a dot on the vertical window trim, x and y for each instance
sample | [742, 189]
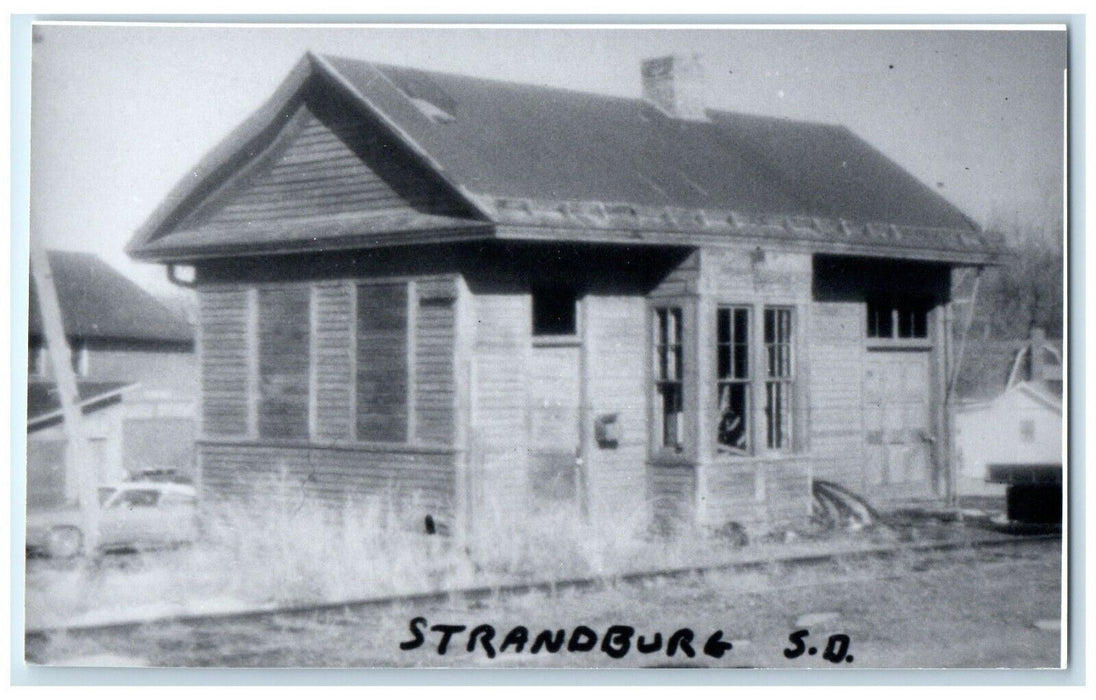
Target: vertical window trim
[747, 381]
[659, 445]
[787, 382]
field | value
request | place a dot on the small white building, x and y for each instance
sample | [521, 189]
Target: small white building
[1020, 426]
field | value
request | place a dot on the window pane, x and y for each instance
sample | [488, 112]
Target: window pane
[779, 338]
[668, 371]
[732, 433]
[672, 410]
[284, 327]
[554, 311]
[723, 326]
[880, 319]
[382, 362]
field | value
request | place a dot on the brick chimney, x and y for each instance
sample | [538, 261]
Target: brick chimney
[675, 84]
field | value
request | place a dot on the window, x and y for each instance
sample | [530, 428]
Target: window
[554, 311]
[779, 378]
[143, 498]
[382, 363]
[284, 330]
[733, 372]
[668, 377]
[898, 319]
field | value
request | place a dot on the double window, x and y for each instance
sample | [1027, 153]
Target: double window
[286, 380]
[737, 383]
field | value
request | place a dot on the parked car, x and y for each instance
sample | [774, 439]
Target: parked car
[133, 515]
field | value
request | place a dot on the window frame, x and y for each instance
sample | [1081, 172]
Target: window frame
[411, 300]
[895, 306]
[255, 400]
[539, 339]
[727, 382]
[659, 445]
[759, 380]
[788, 381]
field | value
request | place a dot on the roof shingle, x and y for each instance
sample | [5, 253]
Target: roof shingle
[97, 302]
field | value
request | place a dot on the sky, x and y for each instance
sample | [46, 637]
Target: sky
[121, 113]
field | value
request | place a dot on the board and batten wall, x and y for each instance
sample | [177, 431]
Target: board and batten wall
[331, 465]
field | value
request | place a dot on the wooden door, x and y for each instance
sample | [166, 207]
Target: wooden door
[898, 432]
[554, 438]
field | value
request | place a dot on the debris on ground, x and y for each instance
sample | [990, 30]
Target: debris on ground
[836, 507]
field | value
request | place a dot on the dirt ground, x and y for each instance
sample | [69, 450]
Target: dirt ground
[956, 609]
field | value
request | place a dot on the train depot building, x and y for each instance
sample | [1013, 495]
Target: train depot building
[489, 300]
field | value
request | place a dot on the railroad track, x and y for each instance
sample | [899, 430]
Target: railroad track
[590, 583]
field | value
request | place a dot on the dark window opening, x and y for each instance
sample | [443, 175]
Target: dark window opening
[669, 386]
[555, 311]
[733, 380]
[284, 337]
[382, 363]
[898, 319]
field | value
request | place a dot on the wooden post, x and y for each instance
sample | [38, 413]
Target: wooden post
[949, 395]
[77, 449]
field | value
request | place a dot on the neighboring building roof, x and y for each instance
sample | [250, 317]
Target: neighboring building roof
[536, 158]
[1045, 394]
[44, 404]
[98, 302]
[987, 365]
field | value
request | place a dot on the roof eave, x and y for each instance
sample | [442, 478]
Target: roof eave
[365, 241]
[218, 157]
[141, 245]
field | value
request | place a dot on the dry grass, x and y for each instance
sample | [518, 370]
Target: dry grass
[286, 551]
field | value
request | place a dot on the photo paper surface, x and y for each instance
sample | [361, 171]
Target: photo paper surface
[576, 346]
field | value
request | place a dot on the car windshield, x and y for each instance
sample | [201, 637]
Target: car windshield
[137, 498]
[104, 495]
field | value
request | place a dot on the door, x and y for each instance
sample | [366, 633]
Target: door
[555, 450]
[898, 433]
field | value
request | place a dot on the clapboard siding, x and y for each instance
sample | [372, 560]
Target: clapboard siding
[836, 354]
[672, 493]
[223, 349]
[497, 428]
[256, 473]
[326, 160]
[617, 374]
[735, 493]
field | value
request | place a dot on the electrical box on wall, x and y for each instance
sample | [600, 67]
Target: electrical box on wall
[607, 430]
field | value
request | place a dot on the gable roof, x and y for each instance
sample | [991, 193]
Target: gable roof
[528, 160]
[98, 302]
[44, 404]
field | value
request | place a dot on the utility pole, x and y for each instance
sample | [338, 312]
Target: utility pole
[77, 452]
